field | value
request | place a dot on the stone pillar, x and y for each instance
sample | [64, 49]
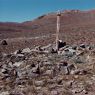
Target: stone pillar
[58, 30]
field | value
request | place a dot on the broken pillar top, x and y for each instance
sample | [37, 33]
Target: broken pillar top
[58, 13]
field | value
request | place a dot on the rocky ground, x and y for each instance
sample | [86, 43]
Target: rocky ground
[41, 71]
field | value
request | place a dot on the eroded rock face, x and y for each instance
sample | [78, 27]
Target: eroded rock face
[34, 72]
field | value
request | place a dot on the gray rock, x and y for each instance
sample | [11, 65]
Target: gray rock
[69, 83]
[64, 70]
[26, 50]
[49, 72]
[54, 92]
[78, 72]
[93, 77]
[10, 64]
[4, 42]
[47, 63]
[17, 58]
[17, 64]
[21, 73]
[83, 46]
[4, 93]
[79, 59]
[39, 83]
[71, 68]
[63, 63]
[69, 52]
[17, 52]
[77, 90]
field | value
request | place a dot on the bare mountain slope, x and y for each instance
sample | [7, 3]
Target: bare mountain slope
[76, 27]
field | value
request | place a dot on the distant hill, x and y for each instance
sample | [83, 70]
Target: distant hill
[76, 27]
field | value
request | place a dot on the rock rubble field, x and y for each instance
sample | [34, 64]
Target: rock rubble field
[41, 71]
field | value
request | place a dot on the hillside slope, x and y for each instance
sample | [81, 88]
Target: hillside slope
[76, 27]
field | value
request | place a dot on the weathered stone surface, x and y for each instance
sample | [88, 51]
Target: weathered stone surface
[69, 52]
[39, 83]
[64, 70]
[49, 72]
[79, 60]
[26, 50]
[35, 72]
[17, 52]
[4, 93]
[17, 64]
[54, 92]
[79, 72]
[83, 46]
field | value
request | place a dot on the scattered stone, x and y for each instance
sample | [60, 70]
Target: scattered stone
[4, 93]
[54, 92]
[17, 52]
[26, 50]
[49, 72]
[76, 76]
[42, 73]
[53, 51]
[71, 67]
[78, 72]
[74, 47]
[17, 64]
[39, 83]
[59, 81]
[64, 70]
[68, 52]
[82, 46]
[4, 42]
[77, 90]
[79, 60]
[85, 92]
[69, 83]
[61, 44]
[63, 63]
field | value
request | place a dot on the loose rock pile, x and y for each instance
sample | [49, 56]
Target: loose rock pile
[40, 71]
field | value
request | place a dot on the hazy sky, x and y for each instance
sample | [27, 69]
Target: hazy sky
[25, 10]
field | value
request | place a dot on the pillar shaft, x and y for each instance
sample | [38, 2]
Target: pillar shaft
[58, 30]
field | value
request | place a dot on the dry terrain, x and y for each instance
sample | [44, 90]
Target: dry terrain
[76, 27]
[30, 66]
